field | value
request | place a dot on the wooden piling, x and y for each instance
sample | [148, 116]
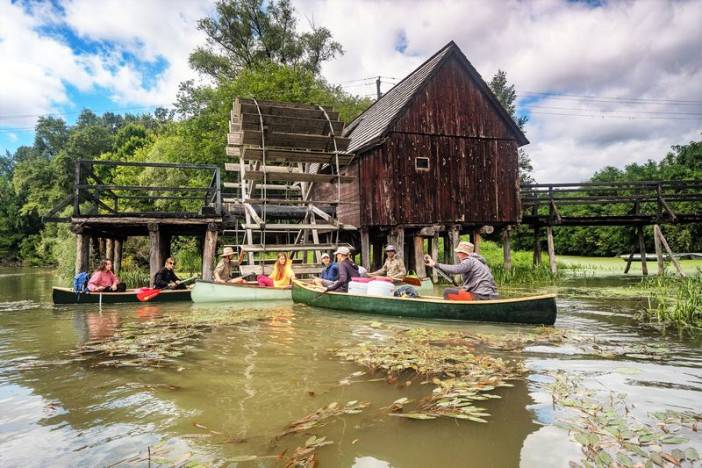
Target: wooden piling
[435, 255]
[209, 253]
[377, 259]
[551, 250]
[419, 257]
[82, 253]
[365, 249]
[102, 248]
[476, 240]
[117, 262]
[664, 242]
[109, 250]
[642, 250]
[155, 260]
[399, 234]
[537, 247]
[659, 250]
[507, 248]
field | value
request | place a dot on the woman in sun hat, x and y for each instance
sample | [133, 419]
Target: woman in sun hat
[477, 278]
[227, 267]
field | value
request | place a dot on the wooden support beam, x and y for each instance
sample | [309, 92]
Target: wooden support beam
[82, 253]
[476, 240]
[507, 248]
[365, 249]
[109, 250]
[117, 261]
[399, 242]
[659, 250]
[537, 247]
[642, 250]
[209, 253]
[102, 246]
[95, 251]
[419, 257]
[664, 242]
[155, 260]
[435, 255]
[629, 260]
[551, 250]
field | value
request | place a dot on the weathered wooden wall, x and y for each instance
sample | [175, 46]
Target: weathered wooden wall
[473, 175]
[350, 211]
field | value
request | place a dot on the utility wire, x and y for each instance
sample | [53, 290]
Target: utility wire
[609, 99]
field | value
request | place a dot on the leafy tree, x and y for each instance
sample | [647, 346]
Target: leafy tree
[507, 95]
[248, 33]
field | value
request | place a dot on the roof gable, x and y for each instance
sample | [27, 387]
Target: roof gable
[368, 128]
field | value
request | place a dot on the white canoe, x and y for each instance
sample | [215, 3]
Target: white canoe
[208, 291]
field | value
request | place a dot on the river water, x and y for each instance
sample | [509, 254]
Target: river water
[231, 378]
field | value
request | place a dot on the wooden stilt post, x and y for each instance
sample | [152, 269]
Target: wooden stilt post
[629, 260]
[110, 250]
[377, 254]
[399, 234]
[507, 248]
[209, 252]
[664, 242]
[102, 248]
[419, 256]
[537, 247]
[95, 250]
[435, 255]
[365, 249]
[82, 252]
[447, 246]
[659, 250]
[117, 262]
[476, 240]
[642, 250]
[551, 250]
[155, 260]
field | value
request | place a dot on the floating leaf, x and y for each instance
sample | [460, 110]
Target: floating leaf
[412, 415]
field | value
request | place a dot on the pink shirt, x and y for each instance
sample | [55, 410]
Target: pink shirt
[100, 279]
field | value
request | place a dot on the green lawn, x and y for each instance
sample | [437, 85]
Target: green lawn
[615, 265]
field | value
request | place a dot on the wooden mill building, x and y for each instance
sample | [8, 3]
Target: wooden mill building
[435, 156]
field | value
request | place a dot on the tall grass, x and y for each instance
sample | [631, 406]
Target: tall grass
[675, 300]
[523, 271]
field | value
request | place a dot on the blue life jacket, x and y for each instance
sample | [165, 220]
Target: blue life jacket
[330, 272]
[80, 282]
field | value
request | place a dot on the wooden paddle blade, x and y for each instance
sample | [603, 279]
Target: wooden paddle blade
[147, 294]
[412, 280]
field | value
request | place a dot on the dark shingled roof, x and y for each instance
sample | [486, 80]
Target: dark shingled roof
[368, 128]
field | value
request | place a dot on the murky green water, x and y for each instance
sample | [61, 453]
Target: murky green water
[231, 386]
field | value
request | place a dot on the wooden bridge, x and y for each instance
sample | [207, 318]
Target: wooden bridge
[636, 204]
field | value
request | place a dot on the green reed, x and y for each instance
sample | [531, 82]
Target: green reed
[675, 300]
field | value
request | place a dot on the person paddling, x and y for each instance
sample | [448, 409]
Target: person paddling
[393, 267]
[104, 280]
[227, 266]
[477, 278]
[166, 277]
[347, 270]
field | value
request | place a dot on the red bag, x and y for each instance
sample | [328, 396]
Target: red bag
[463, 295]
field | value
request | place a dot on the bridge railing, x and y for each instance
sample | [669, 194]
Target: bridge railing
[662, 201]
[173, 190]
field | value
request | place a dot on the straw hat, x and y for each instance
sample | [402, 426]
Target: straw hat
[228, 252]
[465, 247]
[343, 251]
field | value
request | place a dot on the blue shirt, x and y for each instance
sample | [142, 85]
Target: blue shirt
[330, 272]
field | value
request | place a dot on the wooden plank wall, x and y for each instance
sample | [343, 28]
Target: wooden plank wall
[346, 214]
[473, 175]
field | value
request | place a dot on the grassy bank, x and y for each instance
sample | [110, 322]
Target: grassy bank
[675, 301]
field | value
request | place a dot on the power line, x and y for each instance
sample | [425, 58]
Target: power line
[528, 107]
[604, 116]
[610, 99]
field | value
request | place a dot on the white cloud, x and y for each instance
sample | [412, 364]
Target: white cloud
[642, 50]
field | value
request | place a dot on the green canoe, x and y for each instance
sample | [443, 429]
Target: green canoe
[68, 296]
[530, 310]
[209, 291]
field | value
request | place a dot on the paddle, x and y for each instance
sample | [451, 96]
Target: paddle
[413, 280]
[146, 294]
[443, 275]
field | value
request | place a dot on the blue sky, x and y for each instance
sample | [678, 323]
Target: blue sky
[602, 82]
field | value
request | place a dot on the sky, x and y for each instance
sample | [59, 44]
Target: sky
[602, 82]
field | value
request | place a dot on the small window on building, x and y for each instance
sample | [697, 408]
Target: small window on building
[421, 163]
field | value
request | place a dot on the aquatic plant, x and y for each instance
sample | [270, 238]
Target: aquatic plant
[610, 435]
[675, 301]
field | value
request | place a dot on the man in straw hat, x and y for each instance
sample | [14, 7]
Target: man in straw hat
[347, 270]
[477, 279]
[393, 267]
[227, 266]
